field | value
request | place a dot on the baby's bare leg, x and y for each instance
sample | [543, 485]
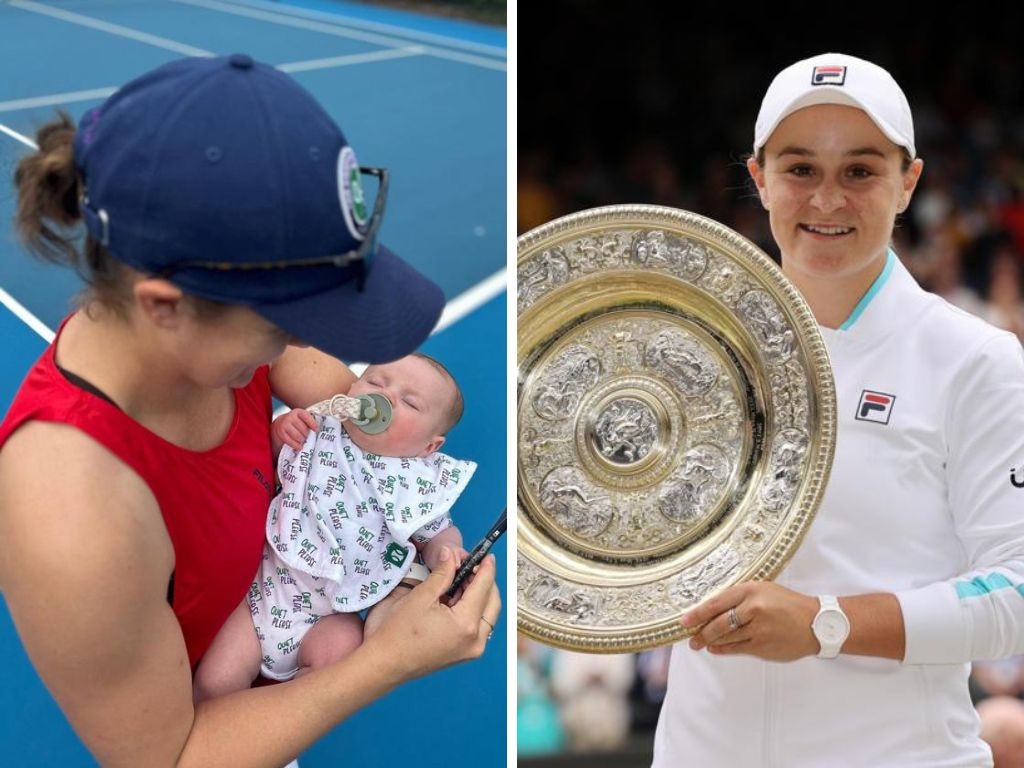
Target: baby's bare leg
[332, 638]
[233, 659]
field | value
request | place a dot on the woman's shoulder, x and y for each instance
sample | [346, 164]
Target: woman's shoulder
[984, 365]
[45, 447]
[962, 333]
[69, 503]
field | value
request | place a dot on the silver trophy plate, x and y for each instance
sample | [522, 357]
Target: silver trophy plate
[676, 423]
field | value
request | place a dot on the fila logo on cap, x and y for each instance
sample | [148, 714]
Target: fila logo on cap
[828, 75]
[875, 406]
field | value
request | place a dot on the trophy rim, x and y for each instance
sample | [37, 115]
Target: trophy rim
[798, 516]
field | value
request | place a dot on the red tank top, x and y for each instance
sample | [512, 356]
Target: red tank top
[214, 503]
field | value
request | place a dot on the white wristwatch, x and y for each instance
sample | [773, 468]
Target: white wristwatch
[830, 627]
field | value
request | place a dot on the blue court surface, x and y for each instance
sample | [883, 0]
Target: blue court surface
[423, 97]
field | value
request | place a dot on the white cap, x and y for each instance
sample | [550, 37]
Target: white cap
[835, 78]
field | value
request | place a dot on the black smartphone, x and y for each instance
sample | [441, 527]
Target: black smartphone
[478, 553]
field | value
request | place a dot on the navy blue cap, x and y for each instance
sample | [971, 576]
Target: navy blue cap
[229, 161]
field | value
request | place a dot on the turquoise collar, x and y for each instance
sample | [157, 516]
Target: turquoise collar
[890, 263]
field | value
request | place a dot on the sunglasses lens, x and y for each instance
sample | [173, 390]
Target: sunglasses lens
[368, 249]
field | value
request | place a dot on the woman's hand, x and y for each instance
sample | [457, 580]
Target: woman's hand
[422, 634]
[774, 623]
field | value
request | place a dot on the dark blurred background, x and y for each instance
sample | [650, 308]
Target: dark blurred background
[655, 103]
[484, 11]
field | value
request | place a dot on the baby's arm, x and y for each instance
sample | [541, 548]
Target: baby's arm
[291, 429]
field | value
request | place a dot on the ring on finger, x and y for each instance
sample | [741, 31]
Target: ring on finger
[734, 620]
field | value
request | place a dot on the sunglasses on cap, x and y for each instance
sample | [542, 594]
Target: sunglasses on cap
[359, 260]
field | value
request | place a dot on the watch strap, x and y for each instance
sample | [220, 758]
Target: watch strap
[417, 574]
[829, 650]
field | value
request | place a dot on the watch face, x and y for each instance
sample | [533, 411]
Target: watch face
[831, 627]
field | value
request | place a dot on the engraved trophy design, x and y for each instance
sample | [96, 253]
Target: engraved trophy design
[676, 423]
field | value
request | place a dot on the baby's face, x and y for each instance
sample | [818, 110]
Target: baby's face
[420, 396]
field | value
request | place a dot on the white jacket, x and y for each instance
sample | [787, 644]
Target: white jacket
[926, 500]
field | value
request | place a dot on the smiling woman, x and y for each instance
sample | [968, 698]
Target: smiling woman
[832, 198]
[919, 530]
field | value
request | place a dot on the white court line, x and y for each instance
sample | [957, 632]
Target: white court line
[471, 299]
[25, 316]
[352, 34]
[18, 137]
[92, 94]
[105, 26]
[465, 58]
[390, 29]
[296, 66]
[355, 58]
[56, 98]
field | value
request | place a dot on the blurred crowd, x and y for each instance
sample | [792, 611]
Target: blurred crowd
[600, 704]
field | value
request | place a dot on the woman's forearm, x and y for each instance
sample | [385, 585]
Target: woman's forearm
[876, 626]
[269, 726]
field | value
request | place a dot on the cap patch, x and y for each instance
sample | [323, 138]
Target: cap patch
[828, 75]
[350, 190]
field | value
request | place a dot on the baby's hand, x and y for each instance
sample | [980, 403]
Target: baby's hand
[432, 554]
[292, 428]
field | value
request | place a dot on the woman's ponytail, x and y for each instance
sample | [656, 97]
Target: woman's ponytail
[48, 191]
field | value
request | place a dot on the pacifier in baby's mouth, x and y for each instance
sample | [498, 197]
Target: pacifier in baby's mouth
[371, 413]
[374, 413]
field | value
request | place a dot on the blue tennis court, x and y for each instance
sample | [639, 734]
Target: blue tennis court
[423, 97]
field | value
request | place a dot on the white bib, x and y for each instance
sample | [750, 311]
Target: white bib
[350, 516]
